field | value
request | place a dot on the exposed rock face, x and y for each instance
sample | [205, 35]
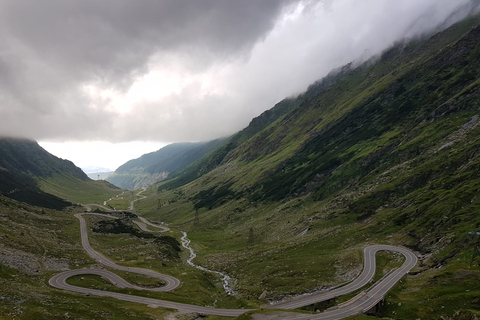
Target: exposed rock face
[22, 261]
[55, 264]
[29, 263]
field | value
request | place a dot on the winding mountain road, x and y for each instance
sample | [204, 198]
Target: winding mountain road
[138, 198]
[362, 302]
[143, 225]
[359, 304]
[363, 279]
[171, 282]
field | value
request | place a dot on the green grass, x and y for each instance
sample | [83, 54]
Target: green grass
[385, 262]
[121, 201]
[354, 165]
[279, 262]
[79, 191]
[36, 237]
[436, 292]
[91, 281]
[198, 287]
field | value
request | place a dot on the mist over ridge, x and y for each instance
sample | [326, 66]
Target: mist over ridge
[108, 74]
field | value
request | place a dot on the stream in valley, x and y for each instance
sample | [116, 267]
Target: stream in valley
[225, 278]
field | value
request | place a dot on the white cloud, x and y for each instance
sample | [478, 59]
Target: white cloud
[100, 153]
[121, 71]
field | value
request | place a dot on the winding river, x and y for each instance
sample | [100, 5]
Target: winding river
[357, 305]
[225, 278]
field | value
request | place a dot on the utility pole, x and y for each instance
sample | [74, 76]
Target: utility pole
[475, 235]
[196, 221]
[250, 241]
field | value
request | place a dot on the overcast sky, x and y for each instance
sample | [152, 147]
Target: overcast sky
[119, 78]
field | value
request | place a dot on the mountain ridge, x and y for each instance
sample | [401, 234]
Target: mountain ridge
[27, 156]
[384, 152]
[27, 169]
[158, 165]
[387, 153]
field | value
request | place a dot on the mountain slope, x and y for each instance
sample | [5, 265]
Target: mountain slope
[26, 168]
[385, 153]
[216, 157]
[28, 157]
[37, 243]
[156, 166]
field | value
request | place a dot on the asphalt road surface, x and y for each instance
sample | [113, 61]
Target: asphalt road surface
[138, 198]
[171, 282]
[366, 275]
[359, 304]
[59, 281]
[143, 225]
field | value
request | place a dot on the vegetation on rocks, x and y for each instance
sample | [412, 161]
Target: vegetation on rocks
[169, 245]
[386, 152]
[30, 174]
[157, 166]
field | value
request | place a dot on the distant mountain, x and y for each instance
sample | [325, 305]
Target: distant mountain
[99, 175]
[157, 166]
[93, 169]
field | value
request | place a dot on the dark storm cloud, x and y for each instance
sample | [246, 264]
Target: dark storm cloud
[49, 48]
[115, 37]
[173, 70]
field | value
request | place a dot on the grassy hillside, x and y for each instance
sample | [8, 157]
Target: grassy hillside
[384, 153]
[79, 191]
[37, 243]
[30, 174]
[26, 156]
[218, 156]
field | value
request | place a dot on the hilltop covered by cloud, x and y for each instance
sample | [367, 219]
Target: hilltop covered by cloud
[173, 70]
